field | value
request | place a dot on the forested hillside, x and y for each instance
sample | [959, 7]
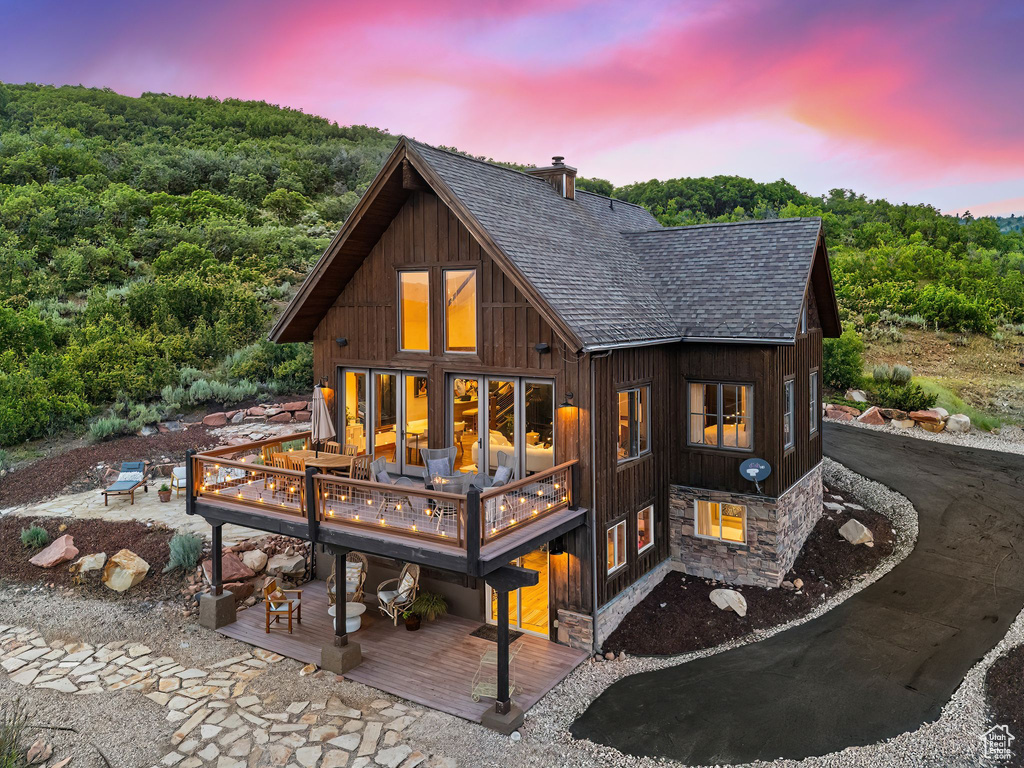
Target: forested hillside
[146, 243]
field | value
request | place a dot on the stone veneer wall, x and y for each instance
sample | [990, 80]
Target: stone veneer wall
[776, 530]
[614, 611]
[576, 629]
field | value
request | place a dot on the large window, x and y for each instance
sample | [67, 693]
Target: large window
[414, 310]
[356, 411]
[617, 546]
[812, 398]
[460, 310]
[722, 415]
[645, 529]
[718, 520]
[788, 428]
[634, 429]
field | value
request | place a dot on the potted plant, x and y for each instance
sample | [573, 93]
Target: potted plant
[430, 605]
[412, 620]
[165, 492]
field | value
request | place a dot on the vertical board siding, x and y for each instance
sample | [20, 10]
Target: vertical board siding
[425, 233]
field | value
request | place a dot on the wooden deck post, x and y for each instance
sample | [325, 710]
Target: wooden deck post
[217, 607]
[506, 716]
[217, 556]
[190, 495]
[472, 530]
[340, 631]
[502, 702]
[311, 508]
[341, 655]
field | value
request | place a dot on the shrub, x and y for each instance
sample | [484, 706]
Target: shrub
[905, 397]
[843, 363]
[13, 723]
[34, 537]
[900, 375]
[186, 549]
[881, 373]
[106, 427]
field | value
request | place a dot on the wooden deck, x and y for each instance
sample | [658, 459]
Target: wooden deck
[433, 667]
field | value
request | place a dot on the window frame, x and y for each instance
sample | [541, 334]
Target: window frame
[635, 421]
[401, 336]
[720, 399]
[789, 413]
[476, 309]
[650, 528]
[696, 524]
[803, 317]
[615, 541]
[814, 399]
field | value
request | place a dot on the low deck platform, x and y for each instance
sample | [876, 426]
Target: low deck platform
[433, 667]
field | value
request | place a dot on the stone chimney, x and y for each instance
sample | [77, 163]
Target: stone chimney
[559, 175]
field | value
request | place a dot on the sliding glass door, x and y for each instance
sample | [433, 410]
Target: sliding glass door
[385, 412]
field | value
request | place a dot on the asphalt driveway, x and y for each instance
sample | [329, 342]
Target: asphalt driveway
[882, 663]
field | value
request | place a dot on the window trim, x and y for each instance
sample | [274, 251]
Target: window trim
[721, 418]
[615, 540]
[634, 421]
[803, 317]
[444, 309]
[814, 399]
[789, 416]
[401, 339]
[696, 525]
[650, 529]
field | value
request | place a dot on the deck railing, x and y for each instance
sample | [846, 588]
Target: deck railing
[243, 475]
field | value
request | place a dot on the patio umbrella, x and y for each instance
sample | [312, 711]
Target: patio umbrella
[323, 429]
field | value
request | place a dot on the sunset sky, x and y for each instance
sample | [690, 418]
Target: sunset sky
[912, 101]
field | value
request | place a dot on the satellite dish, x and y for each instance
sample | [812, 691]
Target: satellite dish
[755, 470]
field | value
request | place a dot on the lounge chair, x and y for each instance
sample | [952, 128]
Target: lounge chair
[356, 567]
[133, 474]
[504, 473]
[400, 592]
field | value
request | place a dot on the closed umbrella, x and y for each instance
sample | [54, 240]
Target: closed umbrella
[323, 429]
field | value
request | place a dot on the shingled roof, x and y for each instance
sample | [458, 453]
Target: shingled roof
[604, 271]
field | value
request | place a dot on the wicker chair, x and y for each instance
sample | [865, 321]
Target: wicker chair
[356, 567]
[396, 595]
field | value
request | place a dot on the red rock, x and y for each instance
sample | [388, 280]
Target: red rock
[872, 416]
[303, 416]
[281, 418]
[231, 414]
[930, 416]
[841, 416]
[893, 413]
[299, 405]
[60, 551]
[240, 589]
[256, 411]
[216, 419]
[232, 568]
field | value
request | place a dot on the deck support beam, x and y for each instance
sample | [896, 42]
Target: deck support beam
[341, 655]
[216, 607]
[506, 716]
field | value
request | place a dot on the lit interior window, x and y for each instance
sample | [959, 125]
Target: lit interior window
[414, 294]
[460, 310]
[723, 521]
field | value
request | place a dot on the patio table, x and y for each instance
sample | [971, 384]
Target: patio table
[324, 461]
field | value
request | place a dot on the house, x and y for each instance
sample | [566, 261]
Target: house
[626, 370]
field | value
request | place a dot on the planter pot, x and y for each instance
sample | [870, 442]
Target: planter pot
[164, 495]
[412, 623]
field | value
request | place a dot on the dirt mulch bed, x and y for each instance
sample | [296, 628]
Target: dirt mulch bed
[679, 617]
[1004, 685]
[75, 470]
[151, 543]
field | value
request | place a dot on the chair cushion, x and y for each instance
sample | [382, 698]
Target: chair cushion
[405, 586]
[388, 595]
[438, 467]
[178, 472]
[502, 475]
[351, 586]
[352, 571]
[284, 606]
[384, 477]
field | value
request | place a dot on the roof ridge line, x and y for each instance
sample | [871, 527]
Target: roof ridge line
[709, 225]
[615, 199]
[489, 164]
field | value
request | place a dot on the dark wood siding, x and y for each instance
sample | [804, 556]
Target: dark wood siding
[623, 489]
[426, 234]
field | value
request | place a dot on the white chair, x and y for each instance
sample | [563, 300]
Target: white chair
[178, 478]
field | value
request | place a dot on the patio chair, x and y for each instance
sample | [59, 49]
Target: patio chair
[332, 447]
[178, 479]
[379, 473]
[399, 593]
[279, 604]
[351, 449]
[360, 468]
[132, 475]
[504, 474]
[440, 462]
[356, 567]
[459, 483]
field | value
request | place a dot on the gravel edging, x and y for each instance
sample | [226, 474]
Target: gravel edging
[545, 734]
[973, 439]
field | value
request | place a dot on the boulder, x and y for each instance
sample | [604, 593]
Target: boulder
[856, 532]
[893, 413]
[238, 418]
[148, 431]
[942, 412]
[241, 590]
[300, 405]
[930, 427]
[958, 422]
[303, 416]
[281, 418]
[931, 416]
[89, 563]
[727, 599]
[835, 413]
[255, 560]
[218, 419]
[903, 423]
[231, 569]
[286, 565]
[60, 551]
[256, 411]
[124, 570]
[857, 395]
[872, 416]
